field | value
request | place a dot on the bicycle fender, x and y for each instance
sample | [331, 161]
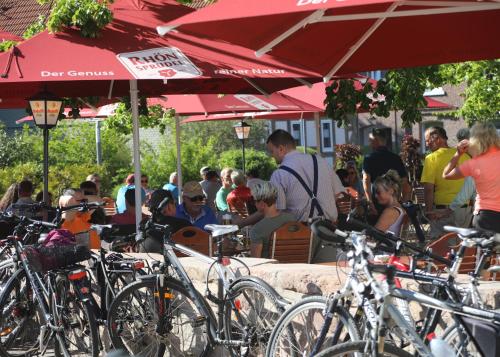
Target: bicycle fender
[283, 302]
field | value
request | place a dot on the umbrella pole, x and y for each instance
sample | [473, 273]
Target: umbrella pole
[318, 133]
[46, 165]
[178, 146]
[134, 103]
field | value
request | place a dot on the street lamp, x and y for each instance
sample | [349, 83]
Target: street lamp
[242, 132]
[46, 108]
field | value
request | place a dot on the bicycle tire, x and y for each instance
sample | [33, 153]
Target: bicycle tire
[133, 317]
[253, 307]
[358, 348]
[20, 317]
[288, 339]
[462, 348]
[117, 281]
[80, 335]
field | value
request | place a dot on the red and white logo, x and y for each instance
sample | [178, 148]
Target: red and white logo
[159, 63]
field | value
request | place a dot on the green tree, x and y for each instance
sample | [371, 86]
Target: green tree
[254, 160]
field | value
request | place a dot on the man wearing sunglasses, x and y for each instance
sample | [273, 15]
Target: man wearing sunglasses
[193, 208]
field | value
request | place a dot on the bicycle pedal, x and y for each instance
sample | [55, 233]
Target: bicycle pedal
[199, 321]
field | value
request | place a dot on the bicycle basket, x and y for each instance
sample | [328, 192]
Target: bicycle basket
[43, 259]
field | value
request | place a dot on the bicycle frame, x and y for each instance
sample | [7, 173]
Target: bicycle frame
[225, 278]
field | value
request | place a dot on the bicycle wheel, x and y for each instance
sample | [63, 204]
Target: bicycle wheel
[79, 336]
[117, 282]
[251, 313]
[299, 327]
[20, 317]
[358, 349]
[134, 317]
[458, 339]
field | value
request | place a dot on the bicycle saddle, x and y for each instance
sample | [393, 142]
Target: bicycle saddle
[219, 229]
[464, 232]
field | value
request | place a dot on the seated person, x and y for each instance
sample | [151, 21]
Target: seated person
[89, 190]
[120, 196]
[388, 192]
[240, 199]
[265, 196]
[192, 208]
[227, 187]
[127, 217]
[77, 222]
[162, 215]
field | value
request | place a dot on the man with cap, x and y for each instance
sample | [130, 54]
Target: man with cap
[193, 208]
[163, 208]
[377, 164]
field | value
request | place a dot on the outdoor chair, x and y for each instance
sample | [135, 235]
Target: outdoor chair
[193, 238]
[445, 244]
[291, 243]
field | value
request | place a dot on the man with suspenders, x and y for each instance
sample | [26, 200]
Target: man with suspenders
[307, 185]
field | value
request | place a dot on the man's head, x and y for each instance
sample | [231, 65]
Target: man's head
[225, 175]
[130, 179]
[463, 134]
[436, 138]
[212, 175]
[95, 178]
[253, 173]
[378, 138]
[25, 188]
[265, 195]
[238, 178]
[88, 188]
[173, 178]
[144, 181]
[280, 143]
[159, 196]
[70, 197]
[193, 197]
[130, 198]
[203, 171]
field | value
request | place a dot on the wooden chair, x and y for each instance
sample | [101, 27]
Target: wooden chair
[291, 243]
[110, 207]
[418, 195]
[450, 241]
[194, 238]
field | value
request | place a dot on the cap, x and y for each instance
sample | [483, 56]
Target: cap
[204, 170]
[192, 189]
[378, 133]
[157, 197]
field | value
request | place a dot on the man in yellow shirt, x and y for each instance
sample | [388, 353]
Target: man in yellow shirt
[438, 192]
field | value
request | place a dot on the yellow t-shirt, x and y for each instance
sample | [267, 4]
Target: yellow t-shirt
[444, 190]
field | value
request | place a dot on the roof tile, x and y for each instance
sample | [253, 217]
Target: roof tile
[17, 15]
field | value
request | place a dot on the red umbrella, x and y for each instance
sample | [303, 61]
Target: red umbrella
[129, 48]
[192, 104]
[7, 36]
[350, 36]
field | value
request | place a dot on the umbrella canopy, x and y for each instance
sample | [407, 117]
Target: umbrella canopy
[7, 36]
[129, 48]
[351, 36]
[192, 104]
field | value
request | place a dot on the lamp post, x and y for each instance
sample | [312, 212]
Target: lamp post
[242, 132]
[46, 108]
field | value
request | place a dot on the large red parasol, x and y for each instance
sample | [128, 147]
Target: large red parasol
[349, 36]
[129, 48]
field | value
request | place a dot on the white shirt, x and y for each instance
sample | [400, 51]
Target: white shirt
[293, 198]
[251, 182]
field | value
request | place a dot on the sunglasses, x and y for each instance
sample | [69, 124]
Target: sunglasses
[197, 198]
[144, 181]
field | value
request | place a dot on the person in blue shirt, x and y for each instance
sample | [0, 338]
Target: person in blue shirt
[121, 205]
[193, 208]
[172, 187]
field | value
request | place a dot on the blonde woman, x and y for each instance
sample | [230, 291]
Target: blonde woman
[388, 192]
[484, 168]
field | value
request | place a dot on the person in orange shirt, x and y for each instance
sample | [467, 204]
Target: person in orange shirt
[77, 222]
[484, 168]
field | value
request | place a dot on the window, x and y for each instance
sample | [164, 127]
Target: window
[326, 136]
[297, 132]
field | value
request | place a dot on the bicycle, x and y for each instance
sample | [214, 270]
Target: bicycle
[164, 314]
[45, 303]
[382, 314]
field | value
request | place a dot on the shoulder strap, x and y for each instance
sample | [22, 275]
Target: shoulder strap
[312, 194]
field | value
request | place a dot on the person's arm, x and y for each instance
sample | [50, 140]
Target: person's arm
[387, 218]
[367, 186]
[451, 171]
[406, 189]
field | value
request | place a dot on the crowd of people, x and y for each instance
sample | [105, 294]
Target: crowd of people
[304, 187]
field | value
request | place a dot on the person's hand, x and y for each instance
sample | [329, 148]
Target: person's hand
[463, 146]
[372, 211]
[343, 201]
